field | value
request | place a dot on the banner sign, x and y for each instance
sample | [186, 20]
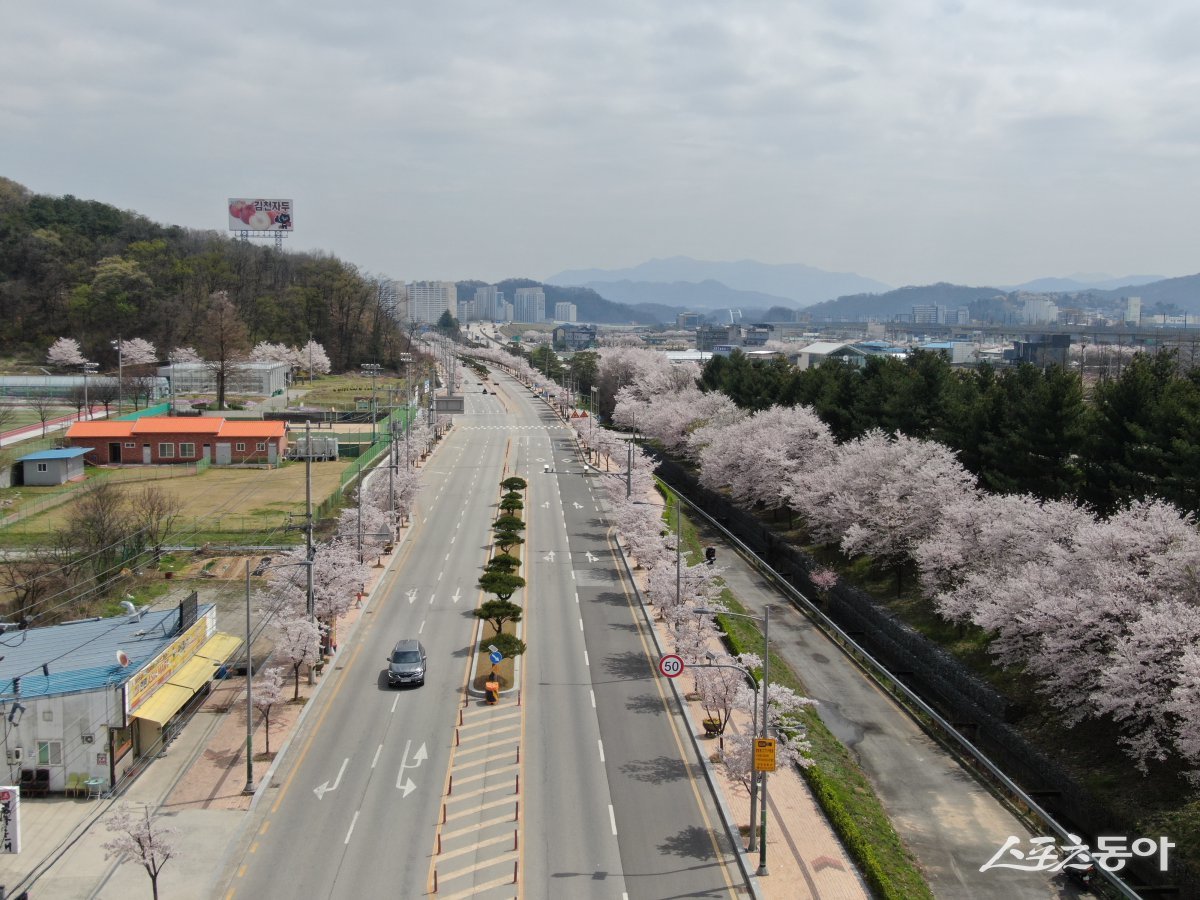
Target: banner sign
[260, 215]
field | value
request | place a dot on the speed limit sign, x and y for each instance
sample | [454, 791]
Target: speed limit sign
[671, 665]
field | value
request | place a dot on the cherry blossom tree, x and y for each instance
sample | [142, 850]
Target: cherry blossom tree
[337, 578]
[366, 526]
[763, 458]
[65, 352]
[297, 640]
[314, 359]
[142, 838]
[1184, 705]
[185, 355]
[138, 352]
[882, 495]
[267, 692]
[792, 746]
[265, 351]
[1139, 679]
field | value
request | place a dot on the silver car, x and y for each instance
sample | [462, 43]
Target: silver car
[406, 665]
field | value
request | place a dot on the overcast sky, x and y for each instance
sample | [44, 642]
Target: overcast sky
[908, 141]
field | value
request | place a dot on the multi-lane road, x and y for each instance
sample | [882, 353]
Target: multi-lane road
[579, 783]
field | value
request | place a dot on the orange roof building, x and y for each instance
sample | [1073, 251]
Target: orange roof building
[167, 440]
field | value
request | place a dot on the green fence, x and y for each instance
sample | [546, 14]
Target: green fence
[160, 410]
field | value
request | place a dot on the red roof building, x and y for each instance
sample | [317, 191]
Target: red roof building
[164, 440]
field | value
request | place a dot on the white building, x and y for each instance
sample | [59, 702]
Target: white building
[489, 303]
[1133, 310]
[529, 305]
[427, 300]
[565, 312]
[1039, 311]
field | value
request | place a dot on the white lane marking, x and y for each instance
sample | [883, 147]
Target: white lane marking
[447, 559]
[440, 574]
[380, 748]
[419, 630]
[586, 661]
[452, 539]
[324, 787]
[581, 623]
[353, 822]
[593, 694]
[432, 597]
[601, 744]
[572, 574]
[577, 596]
[394, 702]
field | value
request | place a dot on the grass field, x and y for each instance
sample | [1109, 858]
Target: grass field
[218, 501]
[19, 416]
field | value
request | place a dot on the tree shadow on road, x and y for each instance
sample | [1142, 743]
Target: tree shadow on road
[630, 666]
[692, 842]
[659, 770]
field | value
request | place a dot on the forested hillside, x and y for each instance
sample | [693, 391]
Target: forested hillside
[87, 270]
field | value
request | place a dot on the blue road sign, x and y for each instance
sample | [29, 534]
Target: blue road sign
[495, 656]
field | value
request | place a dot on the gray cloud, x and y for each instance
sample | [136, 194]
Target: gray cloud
[909, 141]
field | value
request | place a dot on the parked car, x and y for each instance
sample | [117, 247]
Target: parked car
[406, 664]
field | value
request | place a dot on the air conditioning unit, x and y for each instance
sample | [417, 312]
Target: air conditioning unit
[89, 738]
[15, 755]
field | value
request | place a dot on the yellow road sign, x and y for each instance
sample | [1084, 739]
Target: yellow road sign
[764, 754]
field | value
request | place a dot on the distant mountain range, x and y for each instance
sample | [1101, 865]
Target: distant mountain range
[803, 285]
[658, 290]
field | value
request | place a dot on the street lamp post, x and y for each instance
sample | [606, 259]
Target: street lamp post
[120, 374]
[372, 369]
[765, 618]
[89, 368]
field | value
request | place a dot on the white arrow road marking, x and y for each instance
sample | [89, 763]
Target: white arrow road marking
[411, 595]
[408, 787]
[457, 594]
[577, 505]
[546, 505]
[591, 557]
[321, 789]
[549, 557]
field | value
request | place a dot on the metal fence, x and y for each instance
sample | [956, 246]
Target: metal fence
[948, 697]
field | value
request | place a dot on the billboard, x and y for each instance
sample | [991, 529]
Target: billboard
[260, 215]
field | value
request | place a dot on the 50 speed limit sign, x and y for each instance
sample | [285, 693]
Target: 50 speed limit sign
[671, 665]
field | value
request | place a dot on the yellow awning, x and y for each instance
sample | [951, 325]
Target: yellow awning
[220, 646]
[163, 704]
[194, 675]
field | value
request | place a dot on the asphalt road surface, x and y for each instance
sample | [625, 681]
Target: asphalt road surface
[583, 788]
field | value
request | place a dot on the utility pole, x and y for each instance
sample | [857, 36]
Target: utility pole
[629, 473]
[249, 788]
[310, 553]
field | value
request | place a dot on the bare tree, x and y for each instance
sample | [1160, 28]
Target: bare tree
[224, 341]
[31, 577]
[142, 839]
[103, 390]
[155, 512]
[101, 527]
[43, 407]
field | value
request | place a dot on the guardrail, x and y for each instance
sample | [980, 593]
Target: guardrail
[896, 688]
